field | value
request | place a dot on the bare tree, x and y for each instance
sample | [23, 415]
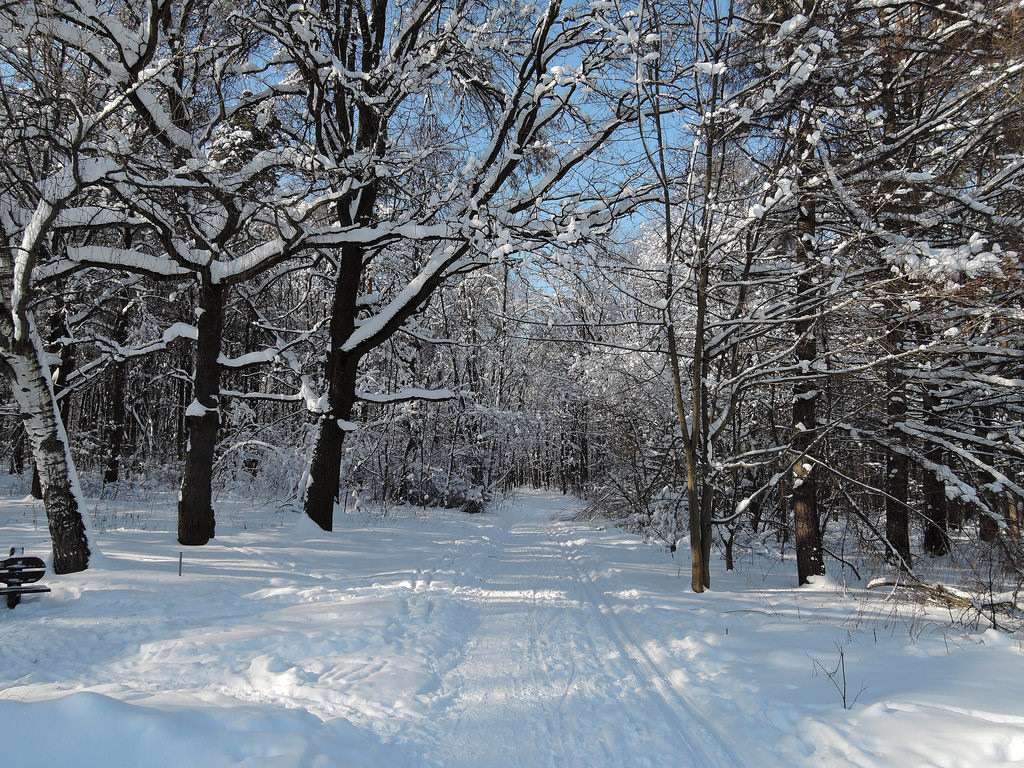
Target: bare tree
[457, 135]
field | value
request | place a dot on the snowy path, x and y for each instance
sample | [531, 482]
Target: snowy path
[552, 674]
[514, 638]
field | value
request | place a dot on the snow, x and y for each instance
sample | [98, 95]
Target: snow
[263, 253]
[180, 331]
[117, 258]
[376, 324]
[250, 358]
[513, 638]
[195, 408]
[790, 26]
[709, 67]
[406, 393]
[314, 403]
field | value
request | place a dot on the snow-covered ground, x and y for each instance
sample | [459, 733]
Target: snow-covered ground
[514, 638]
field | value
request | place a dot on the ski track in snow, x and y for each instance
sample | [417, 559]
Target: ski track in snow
[514, 638]
[539, 669]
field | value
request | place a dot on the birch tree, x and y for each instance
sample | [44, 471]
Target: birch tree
[50, 132]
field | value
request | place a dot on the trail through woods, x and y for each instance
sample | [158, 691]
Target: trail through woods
[514, 638]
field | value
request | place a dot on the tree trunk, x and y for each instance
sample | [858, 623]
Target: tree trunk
[783, 527]
[897, 519]
[30, 382]
[58, 382]
[37, 484]
[115, 424]
[23, 363]
[936, 536]
[988, 526]
[115, 427]
[195, 503]
[706, 499]
[809, 560]
[342, 369]
[1013, 516]
[361, 124]
[989, 520]
[955, 515]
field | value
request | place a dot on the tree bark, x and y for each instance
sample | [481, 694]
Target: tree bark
[362, 129]
[988, 527]
[195, 506]
[989, 520]
[36, 491]
[693, 429]
[936, 506]
[698, 492]
[115, 426]
[1013, 511]
[30, 382]
[17, 465]
[897, 518]
[809, 561]
[23, 363]
[342, 369]
[115, 423]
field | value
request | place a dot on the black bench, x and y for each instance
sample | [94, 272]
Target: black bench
[20, 574]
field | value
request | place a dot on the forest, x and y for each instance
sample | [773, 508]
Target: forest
[745, 276]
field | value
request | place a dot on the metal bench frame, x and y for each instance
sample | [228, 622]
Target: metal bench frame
[20, 573]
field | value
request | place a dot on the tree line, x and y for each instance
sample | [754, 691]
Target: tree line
[747, 273]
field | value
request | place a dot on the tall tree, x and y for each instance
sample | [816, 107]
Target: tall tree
[455, 133]
[48, 162]
[205, 204]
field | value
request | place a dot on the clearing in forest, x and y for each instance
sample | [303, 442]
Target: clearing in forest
[519, 637]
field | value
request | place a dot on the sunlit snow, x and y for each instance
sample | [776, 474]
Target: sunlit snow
[513, 638]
